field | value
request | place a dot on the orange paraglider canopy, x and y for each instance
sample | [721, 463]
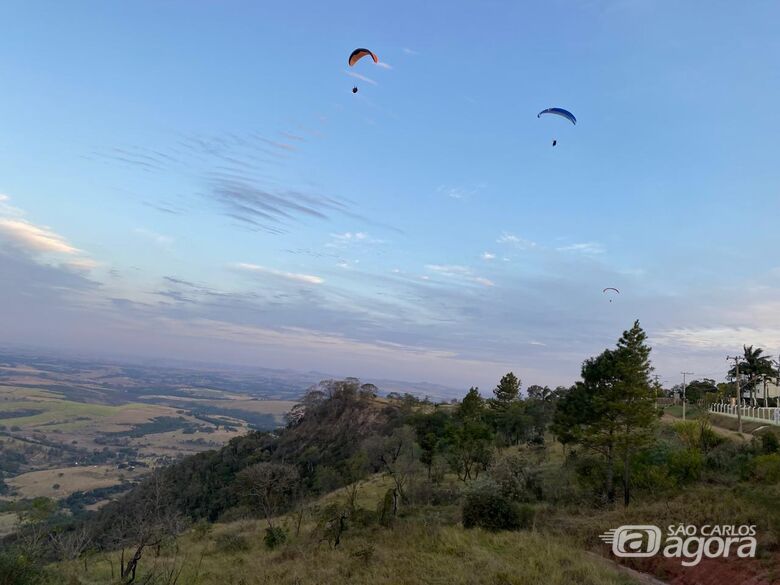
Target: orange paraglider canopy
[358, 54]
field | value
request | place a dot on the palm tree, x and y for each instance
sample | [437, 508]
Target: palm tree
[751, 369]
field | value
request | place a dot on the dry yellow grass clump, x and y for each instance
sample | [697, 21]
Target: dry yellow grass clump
[417, 550]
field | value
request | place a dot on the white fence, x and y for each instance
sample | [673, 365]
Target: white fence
[753, 413]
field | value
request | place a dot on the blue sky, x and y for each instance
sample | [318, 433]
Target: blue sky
[195, 180]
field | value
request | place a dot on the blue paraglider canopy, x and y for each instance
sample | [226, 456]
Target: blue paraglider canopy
[559, 112]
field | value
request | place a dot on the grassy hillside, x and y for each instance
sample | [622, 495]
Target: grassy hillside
[427, 547]
[365, 490]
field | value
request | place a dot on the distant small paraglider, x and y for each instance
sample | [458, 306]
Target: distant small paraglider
[612, 289]
[559, 112]
[356, 56]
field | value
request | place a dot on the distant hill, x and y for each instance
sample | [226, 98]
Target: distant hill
[140, 374]
[332, 429]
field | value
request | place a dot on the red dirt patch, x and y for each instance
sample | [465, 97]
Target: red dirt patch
[763, 571]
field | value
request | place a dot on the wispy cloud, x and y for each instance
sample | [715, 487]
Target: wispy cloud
[409, 51]
[40, 244]
[158, 239]
[352, 239]
[459, 272]
[270, 211]
[81, 264]
[483, 281]
[584, 248]
[254, 268]
[458, 192]
[361, 77]
[8, 210]
[723, 337]
[291, 136]
[239, 172]
[34, 238]
[516, 241]
[448, 269]
[488, 256]
[384, 65]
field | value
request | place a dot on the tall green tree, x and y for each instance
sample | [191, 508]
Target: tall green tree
[637, 407]
[612, 410]
[432, 429]
[469, 437]
[539, 408]
[472, 406]
[470, 447]
[697, 389]
[507, 391]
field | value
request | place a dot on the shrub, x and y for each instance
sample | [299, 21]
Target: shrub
[765, 468]
[433, 494]
[727, 458]
[517, 480]
[698, 435]
[365, 554]
[492, 511]
[686, 465]
[591, 471]
[274, 536]
[17, 569]
[201, 530]
[362, 517]
[557, 484]
[230, 542]
[769, 443]
[386, 509]
[650, 469]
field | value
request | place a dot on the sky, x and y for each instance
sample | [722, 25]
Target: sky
[196, 180]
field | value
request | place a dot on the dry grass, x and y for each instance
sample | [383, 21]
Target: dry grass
[70, 479]
[414, 552]
[66, 415]
[426, 547]
[7, 523]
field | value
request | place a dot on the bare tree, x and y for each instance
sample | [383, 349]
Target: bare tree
[145, 522]
[396, 455]
[33, 528]
[268, 487]
[69, 545]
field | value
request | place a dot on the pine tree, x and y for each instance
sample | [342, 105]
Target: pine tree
[612, 409]
[637, 405]
[507, 391]
[472, 405]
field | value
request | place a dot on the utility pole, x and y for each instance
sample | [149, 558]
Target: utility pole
[766, 392]
[655, 391]
[777, 398]
[683, 392]
[739, 393]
